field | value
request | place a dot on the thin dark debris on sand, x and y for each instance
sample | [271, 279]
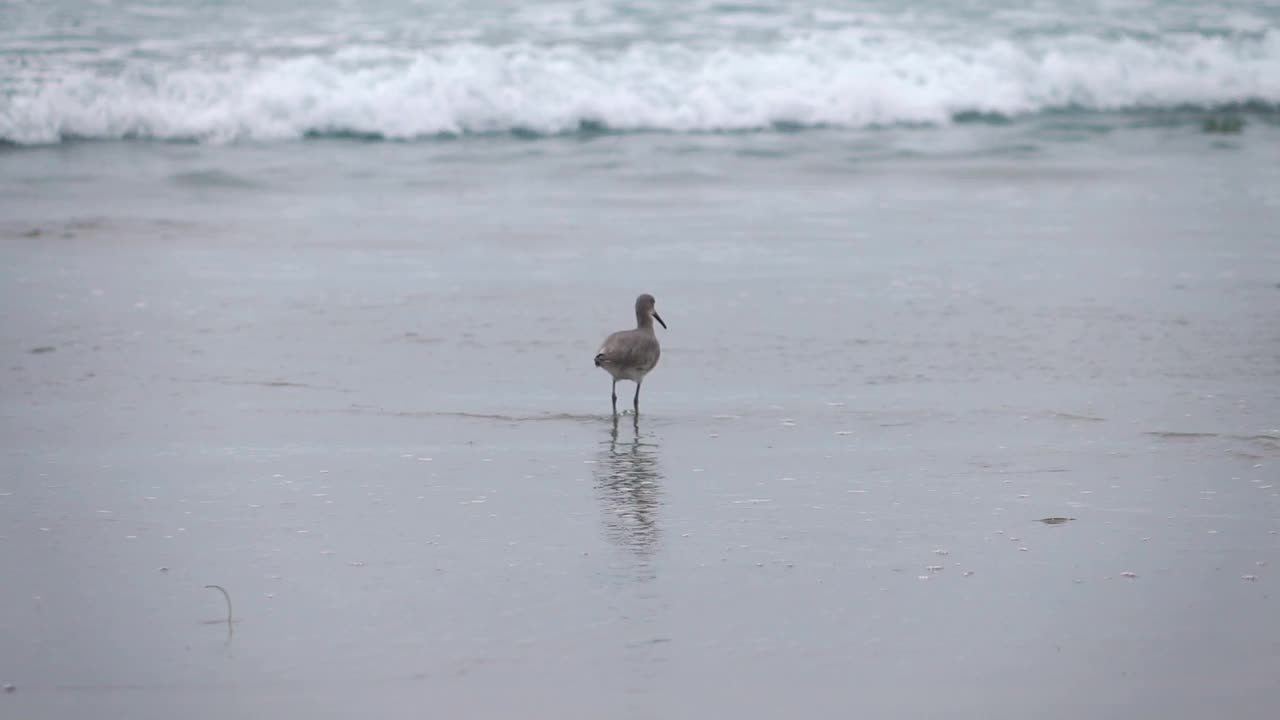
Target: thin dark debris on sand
[225, 595]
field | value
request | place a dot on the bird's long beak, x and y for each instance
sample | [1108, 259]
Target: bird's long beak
[659, 319]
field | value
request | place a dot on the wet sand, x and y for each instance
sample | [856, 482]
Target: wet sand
[390, 447]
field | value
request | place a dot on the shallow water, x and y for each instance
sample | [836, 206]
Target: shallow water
[371, 416]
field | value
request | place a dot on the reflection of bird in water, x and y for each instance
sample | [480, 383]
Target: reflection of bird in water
[629, 483]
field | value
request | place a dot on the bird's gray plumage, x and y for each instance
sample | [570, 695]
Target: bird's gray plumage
[631, 354]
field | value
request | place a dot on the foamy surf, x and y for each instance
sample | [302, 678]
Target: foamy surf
[844, 79]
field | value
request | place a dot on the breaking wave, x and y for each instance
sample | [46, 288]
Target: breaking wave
[846, 79]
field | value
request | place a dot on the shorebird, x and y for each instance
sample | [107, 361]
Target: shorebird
[631, 354]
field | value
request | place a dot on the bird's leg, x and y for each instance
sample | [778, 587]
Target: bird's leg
[636, 402]
[615, 397]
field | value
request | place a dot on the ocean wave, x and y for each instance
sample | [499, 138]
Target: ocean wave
[849, 79]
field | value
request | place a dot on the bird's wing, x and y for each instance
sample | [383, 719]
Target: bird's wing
[611, 350]
[628, 348]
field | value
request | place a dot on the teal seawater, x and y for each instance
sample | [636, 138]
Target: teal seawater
[272, 71]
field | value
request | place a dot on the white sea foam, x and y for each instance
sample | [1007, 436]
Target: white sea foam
[850, 78]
